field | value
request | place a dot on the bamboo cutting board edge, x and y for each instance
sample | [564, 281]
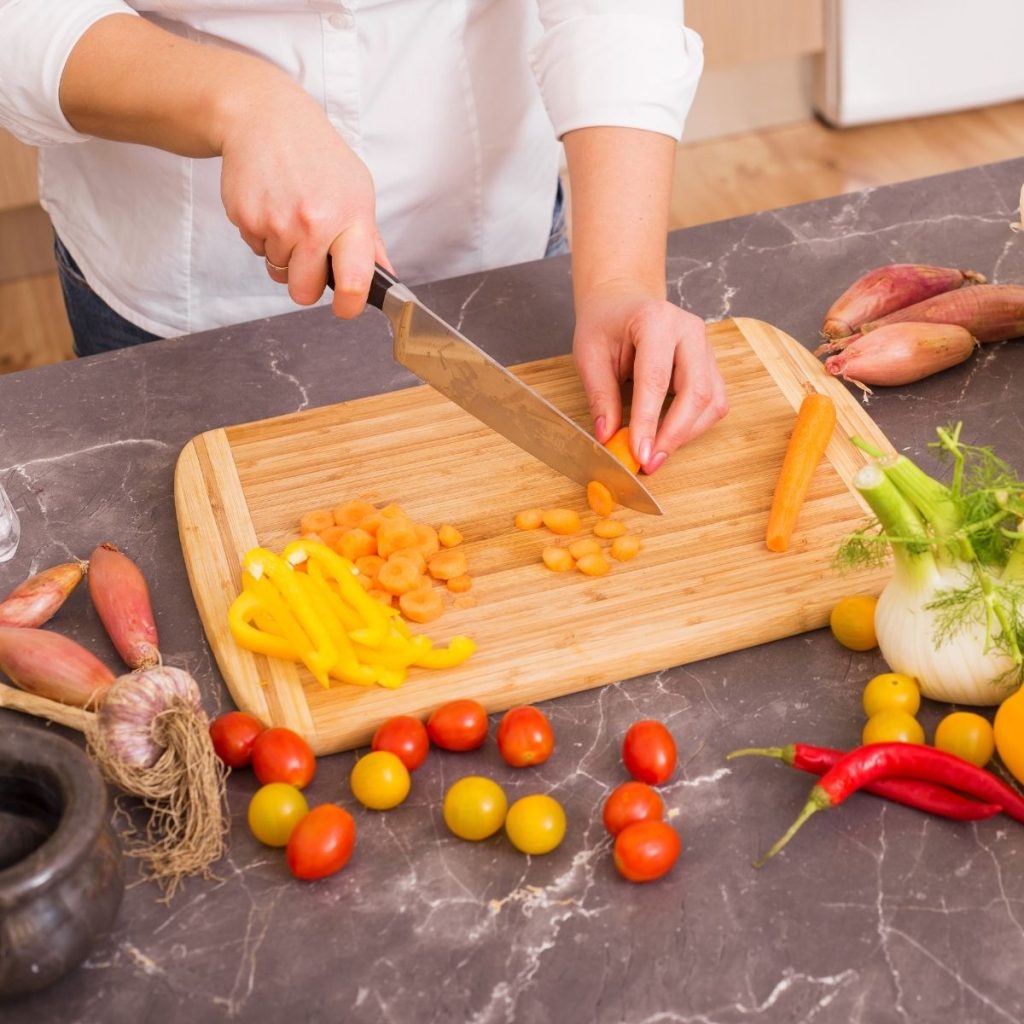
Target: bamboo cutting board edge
[216, 526]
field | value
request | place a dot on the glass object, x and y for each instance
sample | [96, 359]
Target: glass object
[10, 527]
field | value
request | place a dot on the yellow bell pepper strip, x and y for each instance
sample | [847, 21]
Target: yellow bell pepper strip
[345, 612]
[346, 666]
[457, 651]
[274, 616]
[375, 622]
[391, 678]
[323, 653]
[244, 609]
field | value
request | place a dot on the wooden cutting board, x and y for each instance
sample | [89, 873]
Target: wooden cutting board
[704, 583]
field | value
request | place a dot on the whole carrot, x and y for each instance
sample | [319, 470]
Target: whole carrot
[919, 794]
[37, 599]
[865, 765]
[815, 422]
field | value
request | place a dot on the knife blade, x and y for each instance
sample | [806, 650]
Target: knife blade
[450, 363]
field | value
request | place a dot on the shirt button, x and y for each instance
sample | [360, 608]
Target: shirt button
[341, 20]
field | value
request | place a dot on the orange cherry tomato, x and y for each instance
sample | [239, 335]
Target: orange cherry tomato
[525, 736]
[281, 755]
[458, 725]
[649, 752]
[629, 803]
[321, 843]
[646, 850]
[405, 737]
[233, 735]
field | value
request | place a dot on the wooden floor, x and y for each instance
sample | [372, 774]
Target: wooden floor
[715, 179]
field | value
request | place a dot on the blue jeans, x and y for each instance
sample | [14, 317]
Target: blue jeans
[97, 328]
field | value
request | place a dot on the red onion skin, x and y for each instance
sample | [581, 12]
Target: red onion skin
[53, 666]
[131, 705]
[121, 596]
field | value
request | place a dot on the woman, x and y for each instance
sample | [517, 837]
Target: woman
[412, 131]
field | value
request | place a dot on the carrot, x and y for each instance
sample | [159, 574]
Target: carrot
[427, 541]
[593, 564]
[618, 445]
[383, 596]
[316, 521]
[352, 513]
[421, 604]
[459, 584]
[394, 534]
[600, 499]
[448, 536]
[356, 543]
[447, 563]
[529, 519]
[607, 529]
[398, 575]
[557, 559]
[371, 523]
[626, 547]
[412, 555]
[815, 422]
[562, 520]
[331, 536]
[368, 565]
[586, 546]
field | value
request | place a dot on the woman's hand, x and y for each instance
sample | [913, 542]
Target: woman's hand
[297, 192]
[625, 334]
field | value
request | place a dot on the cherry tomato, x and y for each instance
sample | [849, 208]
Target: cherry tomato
[525, 737]
[280, 755]
[380, 780]
[967, 735]
[274, 811]
[535, 824]
[631, 802]
[233, 735]
[321, 843]
[646, 850]
[853, 622]
[474, 807]
[458, 725]
[649, 752]
[1008, 729]
[404, 736]
[892, 691]
[892, 726]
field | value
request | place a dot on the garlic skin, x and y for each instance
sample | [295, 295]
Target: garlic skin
[128, 715]
[957, 671]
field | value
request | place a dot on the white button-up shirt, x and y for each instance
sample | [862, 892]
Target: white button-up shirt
[455, 106]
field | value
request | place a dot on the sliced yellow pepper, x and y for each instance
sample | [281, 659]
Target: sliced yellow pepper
[274, 616]
[244, 609]
[457, 651]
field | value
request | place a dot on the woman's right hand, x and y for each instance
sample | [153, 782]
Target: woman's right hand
[297, 192]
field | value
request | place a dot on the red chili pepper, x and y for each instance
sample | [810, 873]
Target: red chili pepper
[868, 764]
[916, 793]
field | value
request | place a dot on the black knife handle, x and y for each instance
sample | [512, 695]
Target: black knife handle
[383, 281]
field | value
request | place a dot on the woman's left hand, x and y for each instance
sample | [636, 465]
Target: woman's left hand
[626, 333]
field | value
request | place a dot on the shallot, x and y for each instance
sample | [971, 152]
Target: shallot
[37, 599]
[52, 666]
[901, 353]
[121, 597]
[889, 288]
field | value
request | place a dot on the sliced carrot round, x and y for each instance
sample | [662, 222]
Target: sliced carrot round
[421, 605]
[606, 529]
[600, 499]
[557, 559]
[447, 563]
[459, 584]
[355, 543]
[594, 564]
[586, 546]
[352, 513]
[448, 536]
[529, 519]
[562, 520]
[626, 547]
[316, 521]
[398, 575]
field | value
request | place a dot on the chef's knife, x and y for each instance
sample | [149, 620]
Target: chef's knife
[449, 362]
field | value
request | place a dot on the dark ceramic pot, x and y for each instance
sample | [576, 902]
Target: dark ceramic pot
[60, 865]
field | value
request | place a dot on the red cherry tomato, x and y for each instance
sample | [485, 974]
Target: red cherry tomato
[649, 752]
[233, 735]
[458, 725]
[405, 737]
[321, 843]
[280, 755]
[646, 850]
[629, 803]
[525, 737]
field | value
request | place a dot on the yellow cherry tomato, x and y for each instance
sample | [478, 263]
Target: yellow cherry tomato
[474, 807]
[535, 824]
[853, 622]
[1008, 729]
[892, 691]
[274, 811]
[380, 781]
[892, 726]
[967, 735]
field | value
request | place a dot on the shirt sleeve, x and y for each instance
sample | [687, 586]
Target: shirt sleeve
[38, 36]
[623, 63]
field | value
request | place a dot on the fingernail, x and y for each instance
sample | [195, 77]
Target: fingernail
[645, 450]
[656, 462]
[599, 428]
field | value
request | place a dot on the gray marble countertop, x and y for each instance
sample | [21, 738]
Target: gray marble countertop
[875, 913]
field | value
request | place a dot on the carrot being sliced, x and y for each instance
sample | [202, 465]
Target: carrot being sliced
[600, 499]
[316, 521]
[421, 605]
[815, 421]
[618, 445]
